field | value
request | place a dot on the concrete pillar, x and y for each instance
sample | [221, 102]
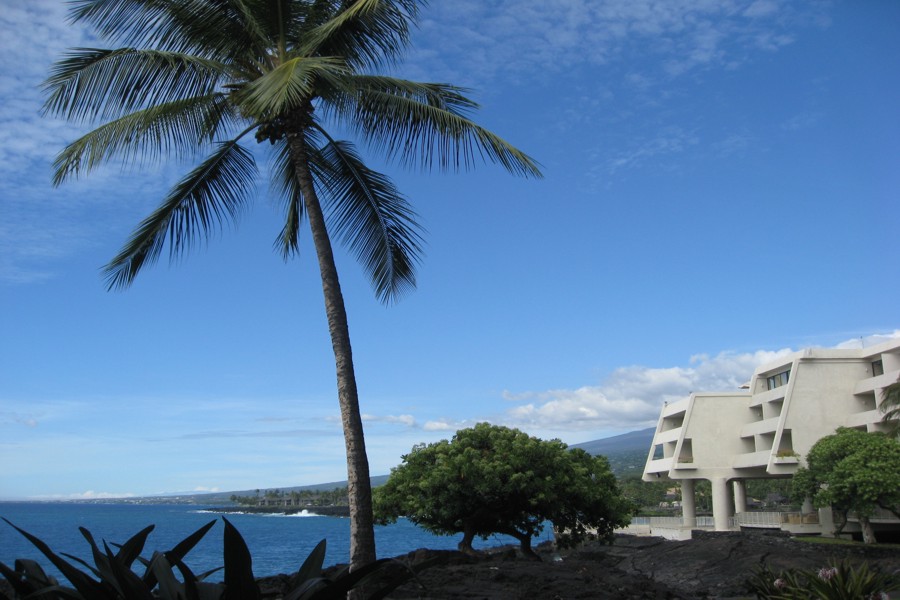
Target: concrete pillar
[807, 506]
[722, 503]
[826, 521]
[688, 503]
[740, 496]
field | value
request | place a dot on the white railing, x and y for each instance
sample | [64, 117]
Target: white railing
[665, 522]
[775, 520]
[760, 519]
[701, 522]
[706, 523]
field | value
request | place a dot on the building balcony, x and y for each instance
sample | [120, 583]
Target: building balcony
[684, 462]
[871, 384]
[752, 459]
[660, 465]
[670, 435]
[673, 408]
[768, 396]
[786, 460]
[863, 418]
[758, 427]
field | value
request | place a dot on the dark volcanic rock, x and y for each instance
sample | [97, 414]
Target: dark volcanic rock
[712, 565]
[718, 564]
[503, 575]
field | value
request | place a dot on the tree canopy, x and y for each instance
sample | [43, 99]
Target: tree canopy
[490, 479]
[853, 472]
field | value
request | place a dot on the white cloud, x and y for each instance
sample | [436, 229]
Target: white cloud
[761, 8]
[733, 143]
[27, 420]
[631, 397]
[40, 225]
[671, 140]
[88, 495]
[465, 41]
[407, 420]
[802, 121]
[516, 38]
[445, 425]
[869, 340]
[40, 26]
[410, 422]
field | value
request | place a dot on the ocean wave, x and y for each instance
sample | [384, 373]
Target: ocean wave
[301, 514]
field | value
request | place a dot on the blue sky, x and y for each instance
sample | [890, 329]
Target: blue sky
[721, 185]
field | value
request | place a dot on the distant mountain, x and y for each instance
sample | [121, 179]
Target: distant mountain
[224, 498]
[633, 440]
[626, 453]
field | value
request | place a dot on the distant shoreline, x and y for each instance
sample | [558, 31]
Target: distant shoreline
[324, 511]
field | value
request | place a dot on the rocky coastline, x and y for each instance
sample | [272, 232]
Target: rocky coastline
[324, 511]
[710, 566]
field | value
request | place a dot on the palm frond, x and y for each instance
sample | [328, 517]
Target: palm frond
[289, 86]
[211, 28]
[439, 95]
[372, 219]
[367, 33]
[285, 185]
[176, 129]
[890, 406]
[214, 191]
[104, 84]
[426, 124]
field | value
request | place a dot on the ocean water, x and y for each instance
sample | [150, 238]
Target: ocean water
[277, 543]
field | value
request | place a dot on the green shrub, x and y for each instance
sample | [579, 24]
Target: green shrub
[113, 575]
[838, 581]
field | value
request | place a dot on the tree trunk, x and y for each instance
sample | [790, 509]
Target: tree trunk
[525, 545]
[465, 545]
[359, 486]
[840, 528]
[868, 534]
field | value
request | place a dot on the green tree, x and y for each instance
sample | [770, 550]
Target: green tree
[200, 77]
[490, 479]
[645, 494]
[852, 471]
[890, 406]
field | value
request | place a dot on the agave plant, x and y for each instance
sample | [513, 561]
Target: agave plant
[838, 581]
[113, 575]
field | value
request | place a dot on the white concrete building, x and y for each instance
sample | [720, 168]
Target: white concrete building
[765, 431]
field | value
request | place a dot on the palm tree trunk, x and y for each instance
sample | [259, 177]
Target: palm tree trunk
[359, 486]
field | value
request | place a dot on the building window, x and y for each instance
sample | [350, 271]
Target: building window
[877, 368]
[778, 380]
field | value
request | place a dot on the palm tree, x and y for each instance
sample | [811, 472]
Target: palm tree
[890, 406]
[192, 76]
